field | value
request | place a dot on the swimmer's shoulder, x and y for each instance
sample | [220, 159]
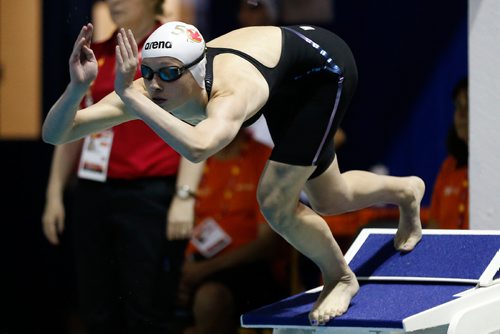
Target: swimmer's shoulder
[247, 35]
[262, 43]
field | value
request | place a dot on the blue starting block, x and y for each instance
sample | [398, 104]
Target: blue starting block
[450, 283]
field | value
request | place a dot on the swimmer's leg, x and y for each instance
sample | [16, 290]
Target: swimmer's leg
[334, 193]
[278, 196]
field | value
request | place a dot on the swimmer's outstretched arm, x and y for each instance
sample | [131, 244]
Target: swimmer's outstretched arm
[64, 122]
[225, 112]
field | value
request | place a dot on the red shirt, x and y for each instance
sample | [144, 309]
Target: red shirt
[228, 194]
[450, 198]
[137, 151]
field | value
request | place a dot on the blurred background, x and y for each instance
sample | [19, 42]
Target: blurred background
[409, 53]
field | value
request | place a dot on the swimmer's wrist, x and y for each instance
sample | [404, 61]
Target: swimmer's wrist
[126, 93]
[78, 87]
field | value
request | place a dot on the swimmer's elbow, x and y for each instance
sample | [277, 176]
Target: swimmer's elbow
[50, 138]
[196, 155]
[203, 144]
[198, 152]
[193, 159]
[53, 137]
[52, 141]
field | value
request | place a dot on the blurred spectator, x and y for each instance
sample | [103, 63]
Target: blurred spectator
[127, 270]
[312, 11]
[172, 10]
[258, 13]
[228, 269]
[450, 198]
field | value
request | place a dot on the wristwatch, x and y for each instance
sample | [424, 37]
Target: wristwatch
[184, 192]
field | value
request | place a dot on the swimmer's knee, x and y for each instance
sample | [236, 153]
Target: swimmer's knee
[279, 216]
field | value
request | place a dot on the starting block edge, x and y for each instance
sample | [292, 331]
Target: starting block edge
[444, 313]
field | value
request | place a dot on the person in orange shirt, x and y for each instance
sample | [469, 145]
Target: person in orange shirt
[227, 270]
[450, 198]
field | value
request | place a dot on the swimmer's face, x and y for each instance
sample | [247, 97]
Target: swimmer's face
[167, 94]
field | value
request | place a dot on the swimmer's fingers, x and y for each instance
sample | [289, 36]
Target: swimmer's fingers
[122, 43]
[88, 35]
[84, 38]
[87, 53]
[119, 58]
[81, 52]
[133, 44]
[82, 62]
[77, 49]
[81, 36]
[122, 57]
[126, 63]
[128, 47]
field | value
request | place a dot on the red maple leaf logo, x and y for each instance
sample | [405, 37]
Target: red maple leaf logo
[194, 35]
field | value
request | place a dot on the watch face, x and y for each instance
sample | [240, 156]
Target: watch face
[183, 192]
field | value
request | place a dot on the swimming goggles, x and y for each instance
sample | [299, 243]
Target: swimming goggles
[168, 73]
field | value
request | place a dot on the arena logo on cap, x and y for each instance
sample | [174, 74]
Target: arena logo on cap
[158, 45]
[194, 35]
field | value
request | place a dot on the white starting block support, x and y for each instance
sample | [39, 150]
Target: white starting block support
[449, 284]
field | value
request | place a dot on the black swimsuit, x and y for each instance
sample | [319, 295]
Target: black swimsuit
[309, 91]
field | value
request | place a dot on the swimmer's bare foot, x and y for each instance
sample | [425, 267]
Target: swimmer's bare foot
[410, 228]
[334, 299]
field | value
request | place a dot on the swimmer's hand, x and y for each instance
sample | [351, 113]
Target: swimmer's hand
[127, 59]
[82, 62]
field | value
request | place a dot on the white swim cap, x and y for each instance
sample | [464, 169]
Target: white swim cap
[181, 41]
